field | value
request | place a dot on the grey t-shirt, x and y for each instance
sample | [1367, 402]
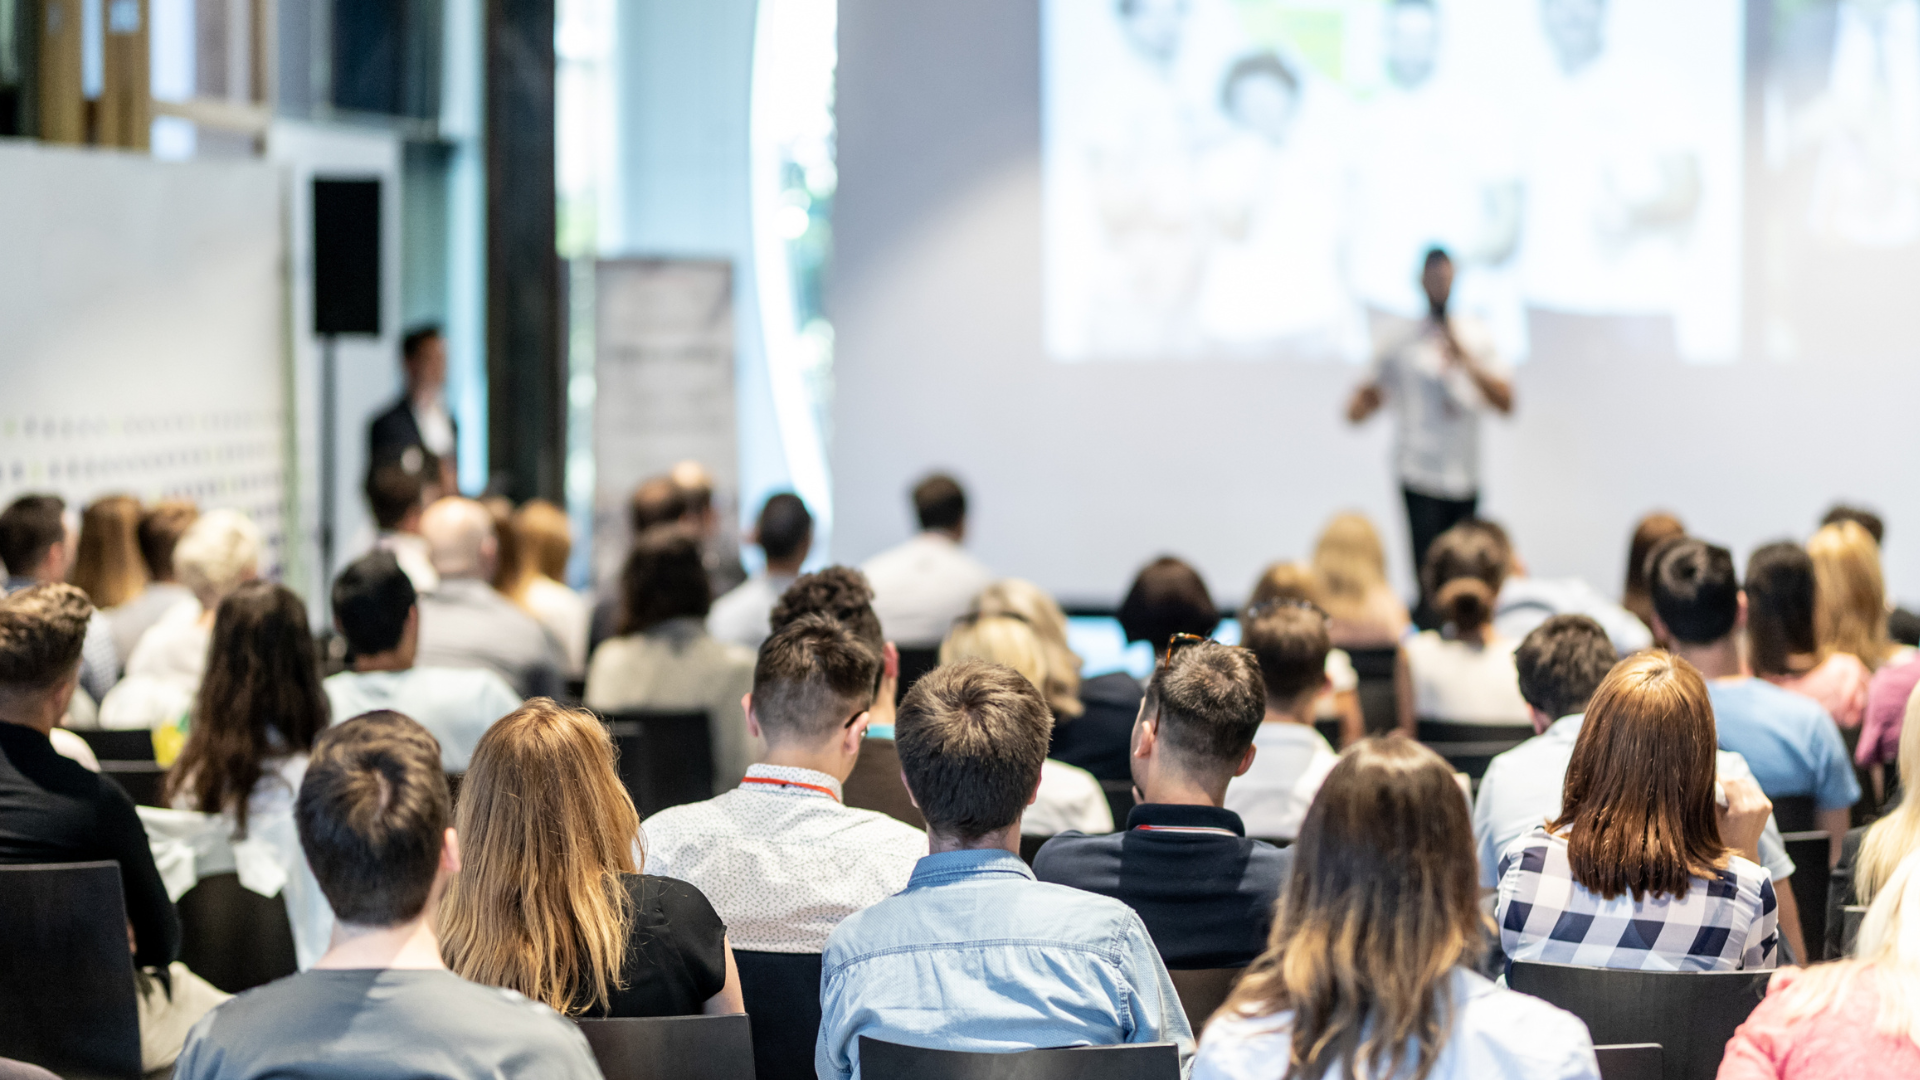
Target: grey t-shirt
[375, 1024]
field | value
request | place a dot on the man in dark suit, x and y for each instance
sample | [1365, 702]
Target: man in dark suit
[418, 429]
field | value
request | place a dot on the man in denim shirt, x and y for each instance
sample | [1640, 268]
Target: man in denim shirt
[975, 954]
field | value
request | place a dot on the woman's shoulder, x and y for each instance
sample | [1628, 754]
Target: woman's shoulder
[1235, 1046]
[673, 898]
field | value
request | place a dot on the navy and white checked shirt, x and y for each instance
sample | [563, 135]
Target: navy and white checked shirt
[1726, 922]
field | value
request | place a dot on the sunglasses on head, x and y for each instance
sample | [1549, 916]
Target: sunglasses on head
[1281, 603]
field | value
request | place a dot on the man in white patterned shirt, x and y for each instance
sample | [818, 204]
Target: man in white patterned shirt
[780, 857]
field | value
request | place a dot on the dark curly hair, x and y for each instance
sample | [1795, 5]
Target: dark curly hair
[839, 591]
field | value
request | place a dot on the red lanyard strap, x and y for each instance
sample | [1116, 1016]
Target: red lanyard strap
[821, 788]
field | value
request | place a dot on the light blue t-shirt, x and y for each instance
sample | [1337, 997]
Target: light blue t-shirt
[457, 704]
[1789, 741]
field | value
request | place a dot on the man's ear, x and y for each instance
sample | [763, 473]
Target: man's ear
[753, 722]
[1146, 735]
[916, 802]
[1740, 613]
[1660, 631]
[1246, 762]
[892, 664]
[450, 852]
[1541, 721]
[854, 737]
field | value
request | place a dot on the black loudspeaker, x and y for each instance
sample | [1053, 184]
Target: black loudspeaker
[346, 257]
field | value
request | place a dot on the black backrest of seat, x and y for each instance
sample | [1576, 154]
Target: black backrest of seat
[1690, 1014]
[66, 977]
[666, 758]
[672, 1047]
[1119, 800]
[1811, 878]
[119, 745]
[1630, 1061]
[1447, 731]
[1202, 990]
[1371, 664]
[782, 993]
[1329, 730]
[881, 1060]
[1793, 813]
[913, 664]
[233, 937]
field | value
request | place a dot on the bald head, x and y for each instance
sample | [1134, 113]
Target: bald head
[459, 534]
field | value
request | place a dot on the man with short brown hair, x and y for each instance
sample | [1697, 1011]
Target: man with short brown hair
[975, 954]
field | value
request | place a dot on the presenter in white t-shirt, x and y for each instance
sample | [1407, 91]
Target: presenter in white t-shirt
[1439, 378]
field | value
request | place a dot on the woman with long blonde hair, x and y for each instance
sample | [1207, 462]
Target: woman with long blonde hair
[1890, 840]
[1369, 966]
[1850, 613]
[1351, 566]
[1858, 1018]
[550, 899]
[1070, 797]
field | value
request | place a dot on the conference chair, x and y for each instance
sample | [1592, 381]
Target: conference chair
[881, 1060]
[1812, 876]
[233, 937]
[782, 995]
[66, 978]
[672, 1047]
[1203, 990]
[1330, 731]
[1690, 1014]
[1794, 813]
[1030, 846]
[127, 756]
[1631, 1061]
[1469, 748]
[913, 664]
[665, 758]
[1119, 800]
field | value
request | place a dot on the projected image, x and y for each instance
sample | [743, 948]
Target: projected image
[1261, 178]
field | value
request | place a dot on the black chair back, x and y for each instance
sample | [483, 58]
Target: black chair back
[672, 1047]
[875, 783]
[127, 756]
[1030, 846]
[1379, 707]
[1119, 800]
[1793, 813]
[66, 977]
[1469, 748]
[1811, 879]
[1143, 1061]
[1632, 1061]
[913, 664]
[666, 758]
[233, 937]
[1690, 1014]
[1329, 730]
[1202, 990]
[782, 993]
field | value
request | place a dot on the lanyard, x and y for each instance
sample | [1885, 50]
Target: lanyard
[822, 789]
[1187, 829]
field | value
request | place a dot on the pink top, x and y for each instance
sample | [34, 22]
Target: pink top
[1839, 1044]
[1839, 684]
[1886, 707]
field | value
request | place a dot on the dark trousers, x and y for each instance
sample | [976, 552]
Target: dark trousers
[1427, 517]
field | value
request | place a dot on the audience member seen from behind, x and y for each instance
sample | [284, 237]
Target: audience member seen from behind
[1204, 890]
[542, 543]
[1652, 873]
[54, 811]
[466, 623]
[1787, 739]
[1463, 672]
[1903, 626]
[1888, 693]
[813, 689]
[107, 564]
[841, 592]
[1871, 853]
[1351, 567]
[719, 545]
[159, 531]
[1294, 583]
[1858, 1018]
[784, 533]
[1289, 640]
[1782, 647]
[922, 585]
[376, 826]
[1851, 613]
[1650, 532]
[975, 954]
[665, 661]
[1370, 969]
[551, 901]
[1167, 597]
[37, 548]
[1526, 601]
[1069, 797]
[219, 552]
[1560, 664]
[377, 612]
[1092, 718]
[398, 498]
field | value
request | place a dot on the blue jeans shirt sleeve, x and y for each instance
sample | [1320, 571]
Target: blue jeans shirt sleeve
[1158, 1015]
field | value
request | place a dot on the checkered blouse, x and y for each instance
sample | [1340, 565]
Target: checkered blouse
[1725, 922]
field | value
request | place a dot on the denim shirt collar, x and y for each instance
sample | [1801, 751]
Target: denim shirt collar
[948, 867]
